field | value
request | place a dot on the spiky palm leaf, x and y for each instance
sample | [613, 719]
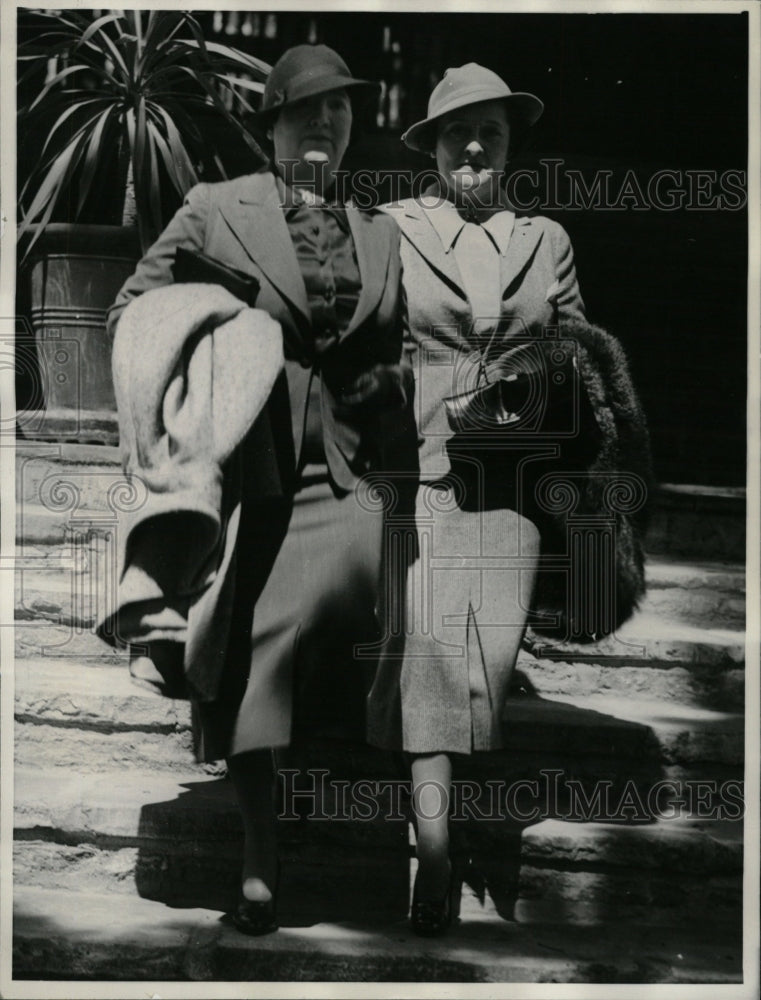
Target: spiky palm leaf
[152, 72]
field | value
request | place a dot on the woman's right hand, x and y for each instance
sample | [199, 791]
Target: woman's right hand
[383, 387]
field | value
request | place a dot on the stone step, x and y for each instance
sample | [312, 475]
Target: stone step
[38, 525]
[44, 628]
[649, 639]
[651, 657]
[78, 601]
[664, 571]
[504, 887]
[95, 751]
[133, 808]
[685, 734]
[65, 691]
[697, 593]
[65, 935]
[64, 488]
[68, 581]
[57, 689]
[73, 481]
[692, 684]
[45, 685]
[180, 842]
[49, 473]
[703, 521]
[41, 638]
[96, 717]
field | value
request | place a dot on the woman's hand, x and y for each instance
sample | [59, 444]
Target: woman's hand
[384, 387]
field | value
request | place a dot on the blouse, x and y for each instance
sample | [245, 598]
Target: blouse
[327, 259]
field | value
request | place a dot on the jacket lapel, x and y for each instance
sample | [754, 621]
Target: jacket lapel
[373, 266]
[420, 231]
[523, 242]
[260, 228]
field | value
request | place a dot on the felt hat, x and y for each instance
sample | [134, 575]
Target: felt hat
[305, 71]
[464, 85]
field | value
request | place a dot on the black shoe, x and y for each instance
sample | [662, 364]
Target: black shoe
[432, 918]
[255, 917]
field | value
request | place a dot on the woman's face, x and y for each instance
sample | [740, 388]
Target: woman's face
[319, 126]
[472, 140]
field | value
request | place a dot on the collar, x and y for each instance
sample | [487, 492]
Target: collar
[448, 223]
[295, 199]
[292, 196]
[445, 219]
[500, 228]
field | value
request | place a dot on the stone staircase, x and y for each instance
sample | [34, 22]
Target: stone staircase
[611, 850]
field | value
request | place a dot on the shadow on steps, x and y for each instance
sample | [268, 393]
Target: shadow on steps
[345, 816]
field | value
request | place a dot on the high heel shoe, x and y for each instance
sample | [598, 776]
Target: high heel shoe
[434, 917]
[256, 916]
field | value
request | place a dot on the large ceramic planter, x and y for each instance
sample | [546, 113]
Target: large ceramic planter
[66, 286]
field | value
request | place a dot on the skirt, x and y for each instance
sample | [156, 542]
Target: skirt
[444, 676]
[305, 630]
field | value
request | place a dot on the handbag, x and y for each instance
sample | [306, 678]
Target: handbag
[587, 494]
[194, 266]
[537, 394]
[529, 423]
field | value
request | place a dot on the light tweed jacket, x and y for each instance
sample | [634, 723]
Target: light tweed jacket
[538, 289]
[539, 295]
[422, 701]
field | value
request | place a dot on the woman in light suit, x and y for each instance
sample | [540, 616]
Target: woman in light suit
[475, 273]
[303, 566]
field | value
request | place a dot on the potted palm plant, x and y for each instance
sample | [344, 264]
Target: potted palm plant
[119, 115]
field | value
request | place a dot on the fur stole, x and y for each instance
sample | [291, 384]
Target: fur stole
[592, 510]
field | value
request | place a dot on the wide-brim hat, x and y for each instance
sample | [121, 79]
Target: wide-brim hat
[305, 71]
[464, 85]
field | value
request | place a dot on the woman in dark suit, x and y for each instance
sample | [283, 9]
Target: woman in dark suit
[476, 274]
[305, 574]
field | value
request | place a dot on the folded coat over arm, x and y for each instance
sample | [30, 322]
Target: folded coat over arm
[193, 367]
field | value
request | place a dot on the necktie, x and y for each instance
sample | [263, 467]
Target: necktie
[478, 261]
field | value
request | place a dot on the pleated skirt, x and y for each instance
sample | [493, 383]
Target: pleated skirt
[445, 673]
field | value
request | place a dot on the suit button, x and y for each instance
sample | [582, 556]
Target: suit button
[315, 230]
[330, 294]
